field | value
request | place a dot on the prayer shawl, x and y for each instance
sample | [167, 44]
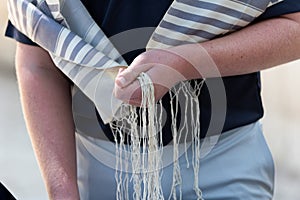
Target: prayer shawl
[83, 53]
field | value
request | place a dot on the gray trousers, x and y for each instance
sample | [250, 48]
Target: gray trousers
[239, 166]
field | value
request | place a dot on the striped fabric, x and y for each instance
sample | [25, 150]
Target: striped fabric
[85, 54]
[190, 21]
[81, 55]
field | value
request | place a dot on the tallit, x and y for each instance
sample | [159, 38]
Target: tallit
[82, 52]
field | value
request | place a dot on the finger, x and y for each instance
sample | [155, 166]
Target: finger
[128, 75]
[120, 70]
[119, 80]
[130, 94]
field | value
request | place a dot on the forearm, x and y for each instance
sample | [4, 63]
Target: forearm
[256, 47]
[45, 96]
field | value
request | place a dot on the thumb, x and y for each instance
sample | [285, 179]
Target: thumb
[126, 76]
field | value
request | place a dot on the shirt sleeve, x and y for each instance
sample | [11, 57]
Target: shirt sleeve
[282, 8]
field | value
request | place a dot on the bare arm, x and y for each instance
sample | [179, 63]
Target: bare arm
[257, 47]
[46, 102]
[254, 48]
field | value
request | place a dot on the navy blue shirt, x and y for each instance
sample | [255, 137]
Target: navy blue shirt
[244, 103]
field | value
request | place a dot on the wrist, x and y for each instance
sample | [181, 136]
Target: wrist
[186, 62]
[198, 62]
[64, 195]
[63, 191]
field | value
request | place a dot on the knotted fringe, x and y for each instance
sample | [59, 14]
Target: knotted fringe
[146, 147]
[83, 53]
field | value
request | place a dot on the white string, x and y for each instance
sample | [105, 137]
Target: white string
[145, 144]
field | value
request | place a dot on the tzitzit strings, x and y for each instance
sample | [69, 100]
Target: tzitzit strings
[144, 129]
[145, 147]
[81, 50]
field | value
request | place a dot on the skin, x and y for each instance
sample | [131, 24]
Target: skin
[257, 47]
[46, 99]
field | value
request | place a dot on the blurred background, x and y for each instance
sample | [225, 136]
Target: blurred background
[281, 96]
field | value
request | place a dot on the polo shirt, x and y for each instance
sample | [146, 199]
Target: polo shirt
[243, 92]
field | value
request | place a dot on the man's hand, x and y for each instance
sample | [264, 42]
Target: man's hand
[164, 68]
[256, 47]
